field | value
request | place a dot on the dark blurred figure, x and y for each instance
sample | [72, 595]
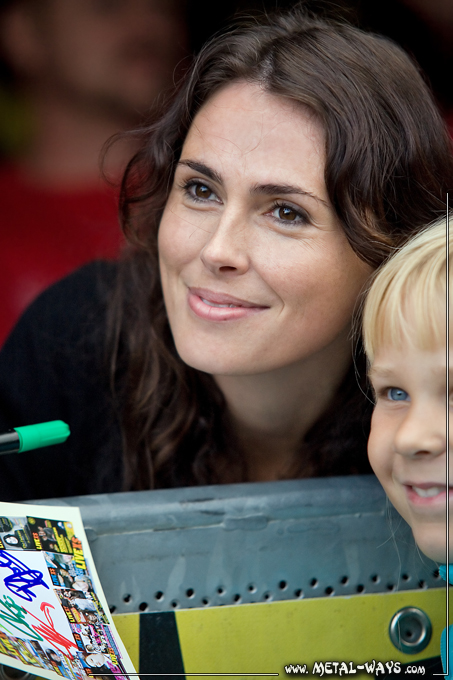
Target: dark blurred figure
[88, 69]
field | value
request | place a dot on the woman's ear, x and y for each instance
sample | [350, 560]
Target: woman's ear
[22, 39]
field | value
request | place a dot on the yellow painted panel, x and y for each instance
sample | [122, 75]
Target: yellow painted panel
[263, 638]
[128, 627]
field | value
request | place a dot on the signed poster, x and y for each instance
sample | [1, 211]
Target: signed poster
[54, 619]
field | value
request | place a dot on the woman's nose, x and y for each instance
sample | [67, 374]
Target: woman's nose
[226, 249]
[422, 432]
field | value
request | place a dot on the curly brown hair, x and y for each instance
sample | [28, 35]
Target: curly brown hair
[388, 168]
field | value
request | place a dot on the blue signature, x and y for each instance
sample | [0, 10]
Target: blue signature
[22, 579]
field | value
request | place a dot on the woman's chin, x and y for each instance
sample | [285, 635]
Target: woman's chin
[221, 360]
[214, 365]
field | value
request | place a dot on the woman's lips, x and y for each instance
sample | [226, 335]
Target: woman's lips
[213, 306]
[428, 493]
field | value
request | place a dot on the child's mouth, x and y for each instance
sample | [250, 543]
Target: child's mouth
[427, 494]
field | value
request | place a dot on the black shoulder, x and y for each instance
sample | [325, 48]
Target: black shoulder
[63, 328]
[77, 298]
[54, 367]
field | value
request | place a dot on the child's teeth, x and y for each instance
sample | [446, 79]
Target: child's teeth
[427, 493]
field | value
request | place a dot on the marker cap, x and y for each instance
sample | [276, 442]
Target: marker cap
[42, 434]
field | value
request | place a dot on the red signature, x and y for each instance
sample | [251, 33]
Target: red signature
[48, 632]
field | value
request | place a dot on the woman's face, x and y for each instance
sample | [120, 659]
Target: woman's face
[256, 271]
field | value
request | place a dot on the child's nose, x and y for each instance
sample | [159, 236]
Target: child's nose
[422, 432]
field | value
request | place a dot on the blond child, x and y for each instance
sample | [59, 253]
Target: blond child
[404, 331]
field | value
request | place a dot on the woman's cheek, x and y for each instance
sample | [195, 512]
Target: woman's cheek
[182, 236]
[171, 240]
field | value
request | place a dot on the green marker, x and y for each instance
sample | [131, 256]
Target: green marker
[31, 437]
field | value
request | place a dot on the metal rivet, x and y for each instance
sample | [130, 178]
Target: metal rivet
[410, 630]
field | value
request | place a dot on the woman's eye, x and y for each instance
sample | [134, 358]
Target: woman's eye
[285, 213]
[202, 191]
[397, 394]
[199, 191]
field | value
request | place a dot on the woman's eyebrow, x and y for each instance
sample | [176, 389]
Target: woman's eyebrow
[203, 170]
[270, 189]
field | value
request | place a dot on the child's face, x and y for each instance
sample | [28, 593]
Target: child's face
[407, 446]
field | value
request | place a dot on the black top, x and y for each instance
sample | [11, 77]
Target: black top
[53, 367]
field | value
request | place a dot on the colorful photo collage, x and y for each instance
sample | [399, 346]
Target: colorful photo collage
[74, 637]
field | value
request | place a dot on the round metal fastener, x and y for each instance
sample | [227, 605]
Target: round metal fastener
[410, 630]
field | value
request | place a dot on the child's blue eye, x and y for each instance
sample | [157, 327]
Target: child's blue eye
[397, 394]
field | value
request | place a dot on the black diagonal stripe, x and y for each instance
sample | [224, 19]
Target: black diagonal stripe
[159, 645]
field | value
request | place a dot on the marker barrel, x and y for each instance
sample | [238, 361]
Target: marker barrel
[9, 442]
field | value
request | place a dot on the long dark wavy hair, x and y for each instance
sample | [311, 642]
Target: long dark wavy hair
[388, 168]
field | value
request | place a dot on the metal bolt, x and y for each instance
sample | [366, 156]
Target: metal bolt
[410, 630]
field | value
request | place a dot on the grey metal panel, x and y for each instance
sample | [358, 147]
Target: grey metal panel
[214, 545]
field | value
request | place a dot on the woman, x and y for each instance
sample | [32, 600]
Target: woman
[295, 156]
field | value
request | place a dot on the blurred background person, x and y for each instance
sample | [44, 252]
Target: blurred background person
[85, 70]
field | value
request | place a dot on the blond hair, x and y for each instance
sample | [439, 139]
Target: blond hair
[407, 299]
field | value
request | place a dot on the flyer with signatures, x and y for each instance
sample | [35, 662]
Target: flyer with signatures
[54, 618]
